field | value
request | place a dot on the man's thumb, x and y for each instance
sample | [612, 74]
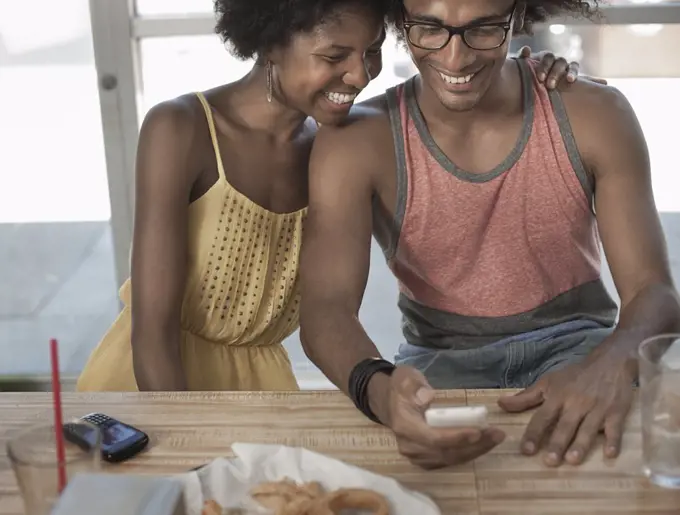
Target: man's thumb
[415, 386]
[522, 401]
[424, 396]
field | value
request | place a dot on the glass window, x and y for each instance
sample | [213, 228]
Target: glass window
[172, 66]
[56, 256]
[165, 7]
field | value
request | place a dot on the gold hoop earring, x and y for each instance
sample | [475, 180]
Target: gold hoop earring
[269, 81]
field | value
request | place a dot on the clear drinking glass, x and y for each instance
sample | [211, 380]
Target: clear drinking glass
[33, 454]
[659, 359]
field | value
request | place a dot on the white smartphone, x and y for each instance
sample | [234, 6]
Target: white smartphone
[457, 416]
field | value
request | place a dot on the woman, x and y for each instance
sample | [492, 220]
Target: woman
[221, 195]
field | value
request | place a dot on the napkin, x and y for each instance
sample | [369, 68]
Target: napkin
[228, 481]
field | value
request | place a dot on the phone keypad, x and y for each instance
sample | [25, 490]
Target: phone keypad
[98, 419]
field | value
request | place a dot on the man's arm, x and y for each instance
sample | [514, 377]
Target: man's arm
[336, 250]
[615, 151]
[346, 168]
[596, 394]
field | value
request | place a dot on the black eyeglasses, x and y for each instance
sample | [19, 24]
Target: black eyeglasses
[477, 36]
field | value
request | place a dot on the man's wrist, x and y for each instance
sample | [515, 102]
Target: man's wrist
[358, 384]
[378, 392]
[618, 353]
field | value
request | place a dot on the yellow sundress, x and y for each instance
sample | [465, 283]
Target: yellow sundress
[241, 298]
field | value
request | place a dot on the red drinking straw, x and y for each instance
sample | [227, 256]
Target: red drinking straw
[58, 420]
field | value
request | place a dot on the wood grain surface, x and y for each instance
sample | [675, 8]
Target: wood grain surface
[190, 429]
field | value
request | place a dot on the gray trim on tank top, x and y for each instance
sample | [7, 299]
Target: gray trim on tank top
[433, 328]
[570, 144]
[443, 159]
[402, 178]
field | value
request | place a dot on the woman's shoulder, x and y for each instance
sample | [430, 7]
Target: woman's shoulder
[179, 116]
[173, 140]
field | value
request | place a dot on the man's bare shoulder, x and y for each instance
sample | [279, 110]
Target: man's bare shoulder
[365, 116]
[601, 119]
[362, 137]
[593, 102]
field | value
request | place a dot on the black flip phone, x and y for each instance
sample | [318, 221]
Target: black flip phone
[119, 441]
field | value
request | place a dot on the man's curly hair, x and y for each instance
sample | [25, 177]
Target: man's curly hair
[536, 11]
[253, 27]
[539, 11]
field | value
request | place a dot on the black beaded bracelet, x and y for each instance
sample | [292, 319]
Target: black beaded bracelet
[358, 383]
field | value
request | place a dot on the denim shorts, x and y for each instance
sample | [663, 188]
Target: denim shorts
[513, 362]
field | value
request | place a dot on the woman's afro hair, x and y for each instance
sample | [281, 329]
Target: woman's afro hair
[254, 27]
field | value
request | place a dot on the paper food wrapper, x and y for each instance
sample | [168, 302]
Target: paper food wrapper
[228, 481]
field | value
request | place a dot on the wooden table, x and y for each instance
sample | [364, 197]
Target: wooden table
[190, 429]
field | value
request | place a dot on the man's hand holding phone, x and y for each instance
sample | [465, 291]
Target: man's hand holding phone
[401, 400]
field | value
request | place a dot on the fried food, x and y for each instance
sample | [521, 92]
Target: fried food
[300, 506]
[286, 490]
[313, 489]
[286, 497]
[211, 507]
[355, 499]
[311, 499]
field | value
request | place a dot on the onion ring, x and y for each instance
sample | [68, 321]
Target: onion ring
[357, 499]
[300, 506]
[286, 488]
[211, 507]
[286, 497]
[312, 489]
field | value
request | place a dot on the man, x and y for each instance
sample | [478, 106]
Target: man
[488, 196]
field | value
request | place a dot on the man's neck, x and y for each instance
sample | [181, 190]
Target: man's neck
[501, 97]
